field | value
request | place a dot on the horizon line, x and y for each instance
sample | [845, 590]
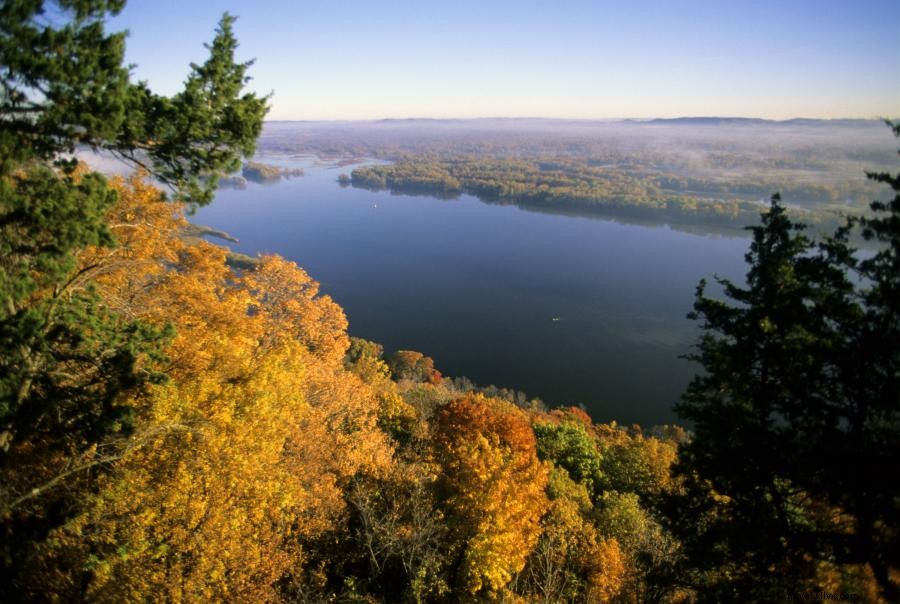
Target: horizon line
[589, 119]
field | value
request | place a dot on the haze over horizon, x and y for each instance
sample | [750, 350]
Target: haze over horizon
[573, 59]
[612, 120]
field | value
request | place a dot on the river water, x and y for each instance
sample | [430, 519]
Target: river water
[574, 310]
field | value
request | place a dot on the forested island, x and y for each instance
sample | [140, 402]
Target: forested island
[175, 428]
[570, 184]
[255, 171]
[260, 173]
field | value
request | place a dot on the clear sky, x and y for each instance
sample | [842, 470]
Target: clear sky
[353, 59]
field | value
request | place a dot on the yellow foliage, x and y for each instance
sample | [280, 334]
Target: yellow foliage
[607, 571]
[847, 579]
[206, 506]
[243, 454]
[571, 562]
[147, 230]
[289, 298]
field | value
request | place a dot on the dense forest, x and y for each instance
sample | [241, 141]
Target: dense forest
[178, 427]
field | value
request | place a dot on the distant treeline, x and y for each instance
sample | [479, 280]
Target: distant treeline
[260, 173]
[597, 186]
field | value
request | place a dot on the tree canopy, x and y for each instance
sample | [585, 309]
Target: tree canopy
[174, 428]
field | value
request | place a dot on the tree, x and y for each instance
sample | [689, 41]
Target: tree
[401, 534]
[635, 463]
[415, 366]
[873, 394]
[796, 417]
[571, 562]
[569, 446]
[288, 295]
[491, 488]
[64, 84]
[240, 457]
[66, 359]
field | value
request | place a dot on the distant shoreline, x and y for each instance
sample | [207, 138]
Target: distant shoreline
[686, 120]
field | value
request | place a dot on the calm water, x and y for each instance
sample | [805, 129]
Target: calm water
[568, 309]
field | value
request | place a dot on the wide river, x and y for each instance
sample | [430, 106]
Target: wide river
[573, 310]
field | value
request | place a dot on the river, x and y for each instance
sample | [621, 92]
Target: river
[574, 310]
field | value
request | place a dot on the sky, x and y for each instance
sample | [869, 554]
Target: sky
[581, 59]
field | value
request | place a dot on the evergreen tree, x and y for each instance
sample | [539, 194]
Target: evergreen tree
[796, 417]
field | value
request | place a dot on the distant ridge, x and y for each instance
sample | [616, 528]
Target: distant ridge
[688, 121]
[756, 121]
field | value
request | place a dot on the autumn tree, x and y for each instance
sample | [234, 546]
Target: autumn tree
[396, 416]
[633, 462]
[491, 488]
[571, 560]
[289, 297]
[366, 358]
[569, 446]
[400, 534]
[413, 365]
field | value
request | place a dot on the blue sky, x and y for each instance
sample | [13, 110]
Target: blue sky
[349, 59]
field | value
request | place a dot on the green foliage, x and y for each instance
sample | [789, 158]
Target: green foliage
[200, 134]
[620, 515]
[570, 562]
[652, 551]
[65, 357]
[360, 348]
[569, 446]
[66, 85]
[264, 469]
[561, 486]
[61, 86]
[46, 219]
[637, 464]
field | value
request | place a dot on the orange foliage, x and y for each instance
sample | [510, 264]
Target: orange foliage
[493, 487]
[413, 365]
[244, 457]
[606, 571]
